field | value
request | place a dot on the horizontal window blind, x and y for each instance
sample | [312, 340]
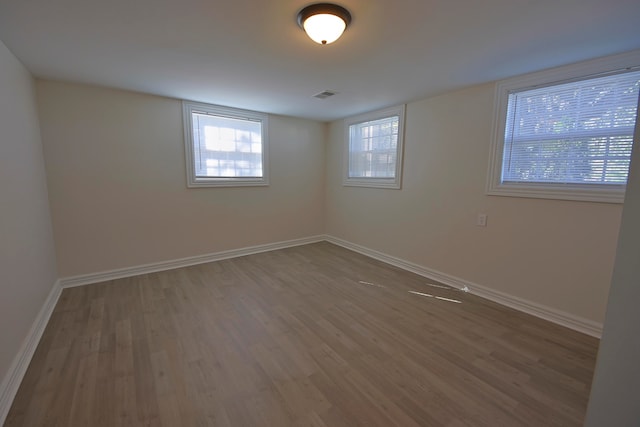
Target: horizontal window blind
[373, 148]
[226, 147]
[579, 132]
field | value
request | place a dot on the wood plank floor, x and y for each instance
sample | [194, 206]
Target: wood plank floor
[309, 336]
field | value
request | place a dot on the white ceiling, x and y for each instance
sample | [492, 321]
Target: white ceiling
[251, 53]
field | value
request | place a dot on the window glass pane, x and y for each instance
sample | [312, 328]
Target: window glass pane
[226, 147]
[373, 148]
[572, 133]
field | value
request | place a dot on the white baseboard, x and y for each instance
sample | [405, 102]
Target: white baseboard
[103, 276]
[18, 368]
[576, 323]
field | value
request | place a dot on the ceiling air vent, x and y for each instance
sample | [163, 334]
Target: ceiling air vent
[324, 94]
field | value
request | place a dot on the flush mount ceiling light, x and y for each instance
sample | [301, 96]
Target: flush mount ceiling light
[324, 23]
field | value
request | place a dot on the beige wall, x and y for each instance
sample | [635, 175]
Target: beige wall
[558, 254]
[27, 258]
[116, 176]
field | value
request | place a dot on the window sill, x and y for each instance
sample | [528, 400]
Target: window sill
[221, 182]
[571, 192]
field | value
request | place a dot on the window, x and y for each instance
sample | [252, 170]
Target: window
[570, 139]
[374, 149]
[224, 146]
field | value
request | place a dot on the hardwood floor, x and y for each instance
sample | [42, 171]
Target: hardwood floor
[309, 336]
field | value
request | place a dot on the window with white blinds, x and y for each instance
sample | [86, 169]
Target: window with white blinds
[224, 146]
[578, 132]
[568, 140]
[374, 149]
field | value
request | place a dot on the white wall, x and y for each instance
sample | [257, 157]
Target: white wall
[117, 184]
[557, 254]
[27, 258]
[614, 394]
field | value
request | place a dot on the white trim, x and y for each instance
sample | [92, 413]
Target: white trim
[15, 374]
[103, 276]
[578, 192]
[396, 181]
[559, 317]
[193, 181]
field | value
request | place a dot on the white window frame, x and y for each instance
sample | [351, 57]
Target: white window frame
[193, 181]
[580, 71]
[396, 181]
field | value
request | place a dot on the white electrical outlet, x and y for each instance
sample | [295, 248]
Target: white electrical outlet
[481, 221]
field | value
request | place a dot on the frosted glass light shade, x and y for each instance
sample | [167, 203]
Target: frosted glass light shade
[324, 23]
[325, 28]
